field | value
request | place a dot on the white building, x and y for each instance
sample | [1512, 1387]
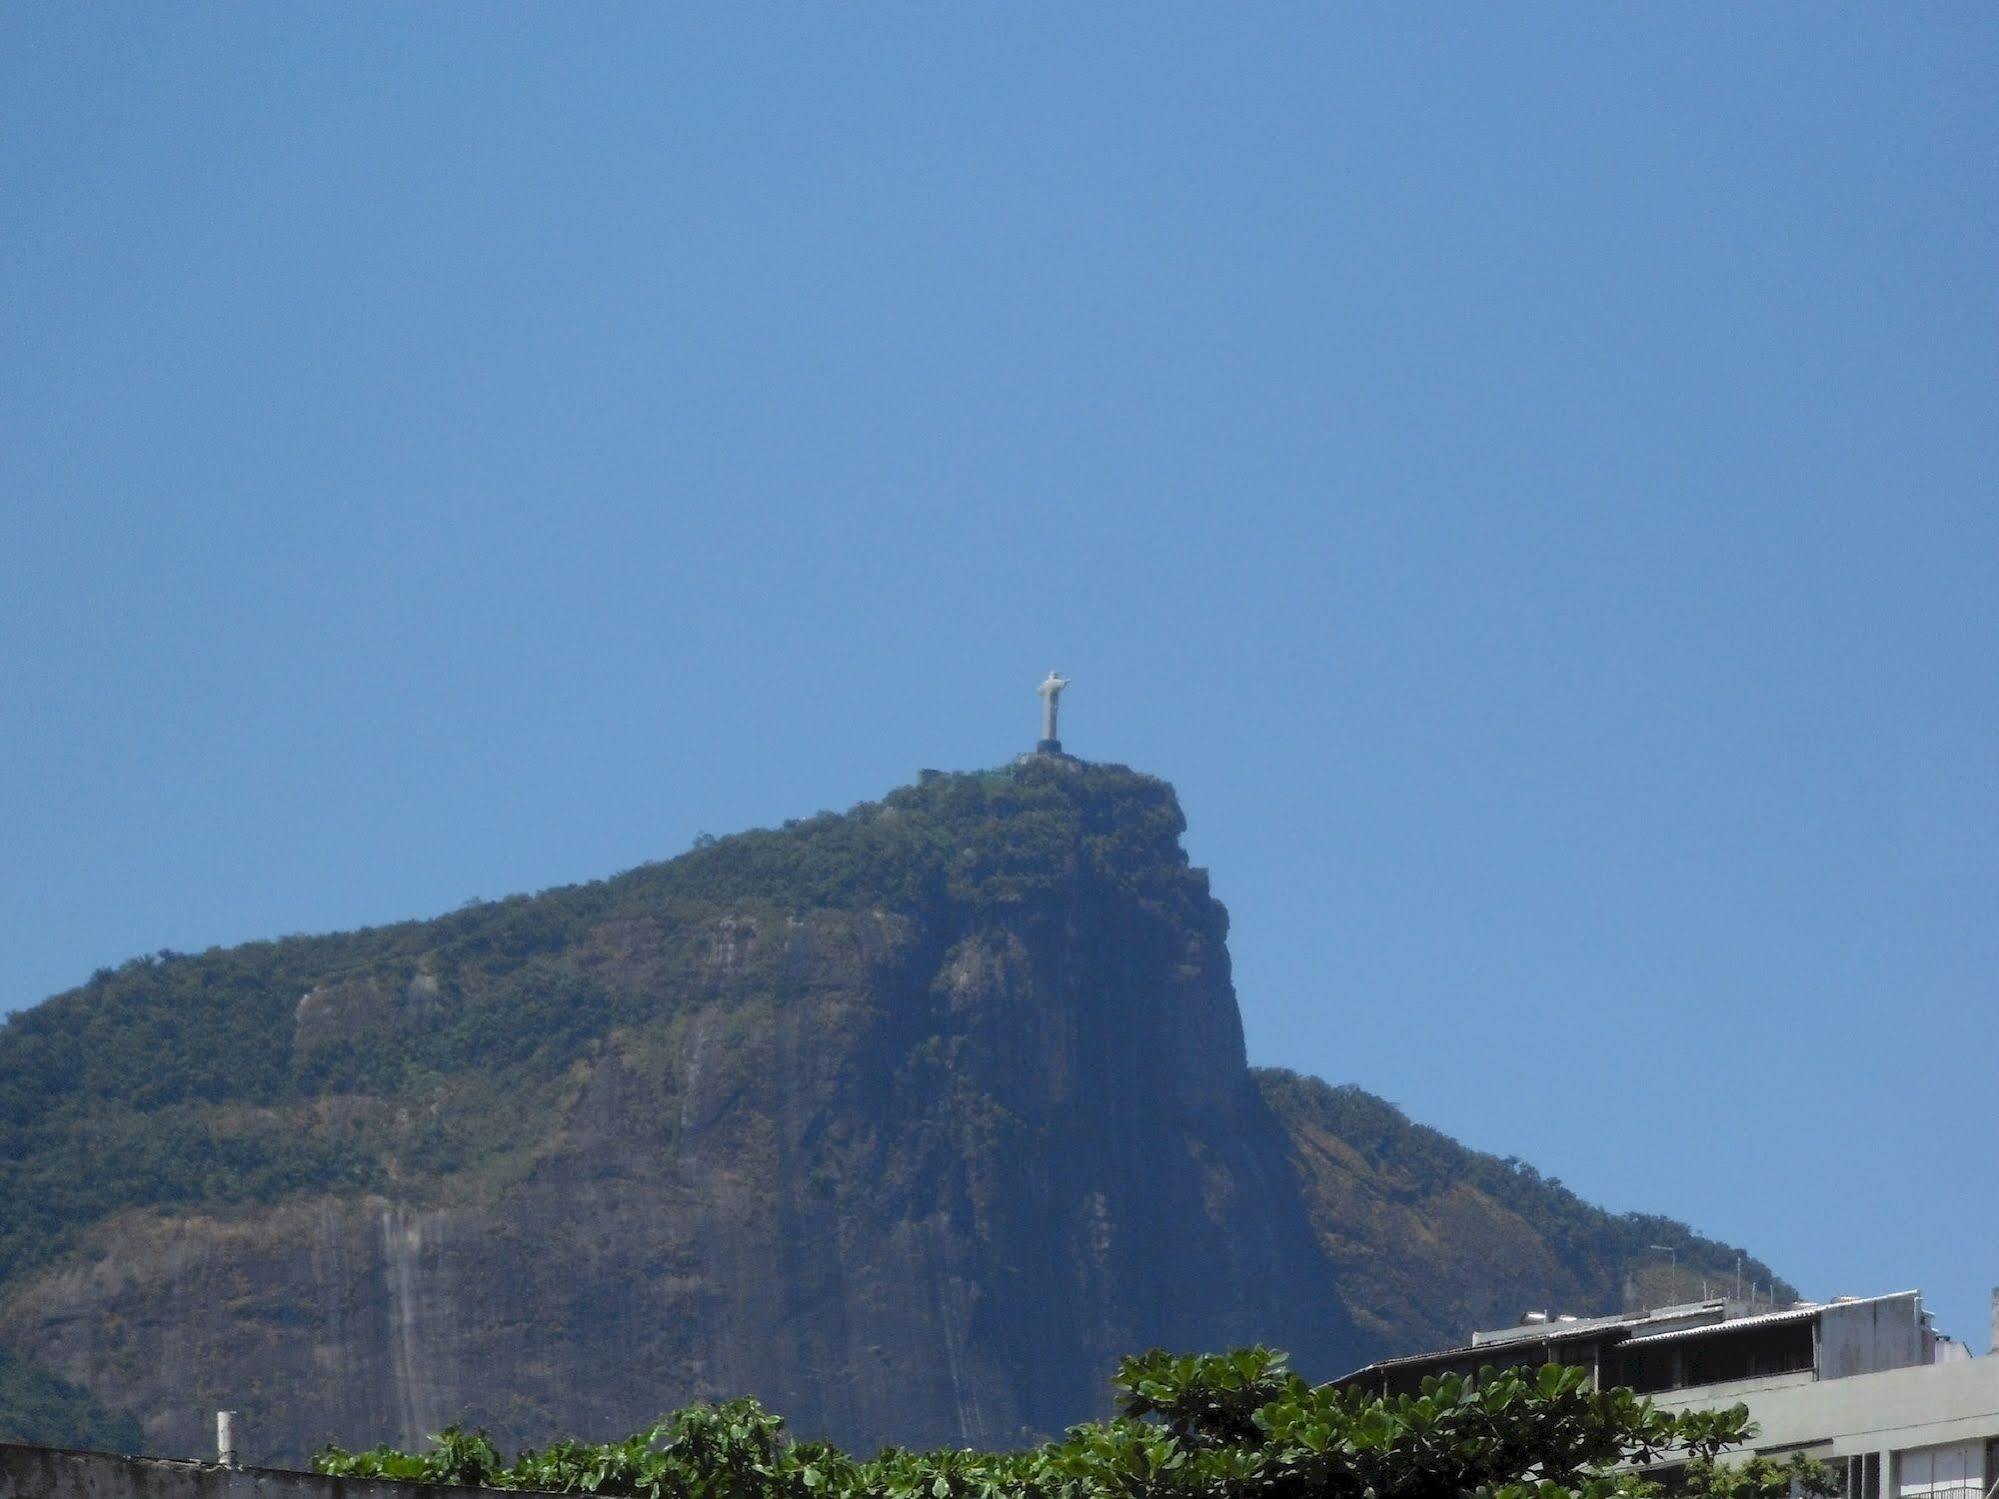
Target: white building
[1865, 1384]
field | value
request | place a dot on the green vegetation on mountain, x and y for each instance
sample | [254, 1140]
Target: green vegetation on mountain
[953, 1082]
[178, 1081]
[1398, 1203]
[37, 1406]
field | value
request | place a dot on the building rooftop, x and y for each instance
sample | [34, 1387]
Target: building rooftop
[1696, 1344]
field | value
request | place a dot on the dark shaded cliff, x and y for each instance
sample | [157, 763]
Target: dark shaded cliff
[908, 1121]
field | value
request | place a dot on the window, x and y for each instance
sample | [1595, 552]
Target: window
[1860, 1477]
[1713, 1356]
[1952, 1472]
[1754, 1353]
[1646, 1370]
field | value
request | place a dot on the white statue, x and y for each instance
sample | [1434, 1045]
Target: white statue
[1050, 690]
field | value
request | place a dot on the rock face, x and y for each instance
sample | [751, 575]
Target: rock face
[918, 1173]
[909, 1122]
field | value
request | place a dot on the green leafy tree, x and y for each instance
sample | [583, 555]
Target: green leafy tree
[1758, 1478]
[1238, 1425]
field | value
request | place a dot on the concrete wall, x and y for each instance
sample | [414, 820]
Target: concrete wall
[46, 1473]
[1891, 1411]
[1865, 1336]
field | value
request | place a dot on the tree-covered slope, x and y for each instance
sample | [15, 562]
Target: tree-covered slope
[40, 1407]
[952, 1083]
[179, 1079]
[1429, 1239]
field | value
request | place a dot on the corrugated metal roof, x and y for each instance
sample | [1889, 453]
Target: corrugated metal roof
[1546, 1332]
[1624, 1332]
[1766, 1319]
[1549, 1332]
[1733, 1324]
[1535, 1332]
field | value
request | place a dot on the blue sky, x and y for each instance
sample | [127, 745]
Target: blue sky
[1525, 476]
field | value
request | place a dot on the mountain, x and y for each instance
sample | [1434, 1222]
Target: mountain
[908, 1121]
[1427, 1240]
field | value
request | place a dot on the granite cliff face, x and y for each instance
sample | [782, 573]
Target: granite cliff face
[909, 1122]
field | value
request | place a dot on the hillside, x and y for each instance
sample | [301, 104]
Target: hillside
[1427, 1240]
[909, 1121]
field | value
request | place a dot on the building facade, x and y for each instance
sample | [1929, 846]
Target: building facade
[1865, 1384]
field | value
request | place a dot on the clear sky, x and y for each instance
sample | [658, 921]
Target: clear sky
[1526, 476]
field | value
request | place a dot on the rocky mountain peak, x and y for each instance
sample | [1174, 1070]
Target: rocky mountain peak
[909, 1120]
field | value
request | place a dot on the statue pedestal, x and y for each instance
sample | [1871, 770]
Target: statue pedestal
[1047, 746]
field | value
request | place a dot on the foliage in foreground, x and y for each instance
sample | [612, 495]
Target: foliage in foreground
[1760, 1478]
[1224, 1426]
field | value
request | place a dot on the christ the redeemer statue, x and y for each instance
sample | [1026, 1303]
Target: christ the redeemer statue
[1050, 690]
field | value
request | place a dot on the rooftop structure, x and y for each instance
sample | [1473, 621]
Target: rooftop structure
[1865, 1383]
